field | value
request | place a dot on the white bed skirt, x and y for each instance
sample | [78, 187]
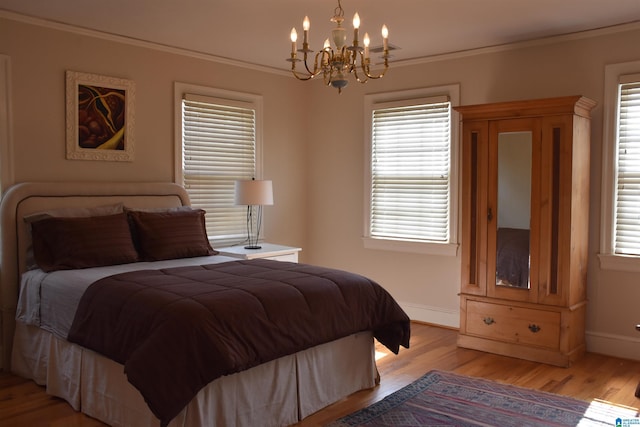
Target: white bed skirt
[277, 393]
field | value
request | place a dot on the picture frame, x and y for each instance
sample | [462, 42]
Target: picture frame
[100, 117]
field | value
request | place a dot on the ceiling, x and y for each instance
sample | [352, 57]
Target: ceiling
[257, 31]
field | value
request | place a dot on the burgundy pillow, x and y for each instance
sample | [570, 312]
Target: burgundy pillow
[170, 234]
[70, 243]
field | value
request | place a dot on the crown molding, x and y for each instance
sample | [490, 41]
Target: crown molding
[138, 42]
[630, 26]
[598, 32]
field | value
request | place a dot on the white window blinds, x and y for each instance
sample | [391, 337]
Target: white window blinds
[219, 147]
[410, 171]
[627, 213]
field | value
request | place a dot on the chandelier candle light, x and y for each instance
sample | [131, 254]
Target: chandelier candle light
[336, 62]
[254, 194]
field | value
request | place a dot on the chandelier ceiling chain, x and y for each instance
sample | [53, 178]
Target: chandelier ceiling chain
[337, 61]
[339, 11]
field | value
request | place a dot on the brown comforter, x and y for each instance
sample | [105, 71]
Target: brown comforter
[177, 329]
[512, 256]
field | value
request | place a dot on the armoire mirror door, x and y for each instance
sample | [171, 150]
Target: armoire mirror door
[513, 210]
[514, 148]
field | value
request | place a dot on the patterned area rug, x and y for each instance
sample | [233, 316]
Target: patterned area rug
[446, 399]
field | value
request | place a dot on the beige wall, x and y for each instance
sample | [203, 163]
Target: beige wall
[39, 57]
[314, 147]
[427, 286]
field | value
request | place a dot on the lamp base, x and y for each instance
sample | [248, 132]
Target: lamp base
[253, 247]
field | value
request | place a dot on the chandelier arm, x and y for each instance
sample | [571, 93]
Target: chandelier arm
[302, 77]
[309, 74]
[299, 76]
[354, 67]
[306, 66]
[354, 53]
[318, 67]
[296, 74]
[379, 76]
[327, 75]
[327, 57]
[358, 78]
[374, 77]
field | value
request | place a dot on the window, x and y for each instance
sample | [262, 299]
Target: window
[620, 235]
[218, 144]
[412, 171]
[627, 213]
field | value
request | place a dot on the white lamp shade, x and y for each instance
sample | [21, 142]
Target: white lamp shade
[254, 192]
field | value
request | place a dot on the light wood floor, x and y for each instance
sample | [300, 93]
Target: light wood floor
[22, 403]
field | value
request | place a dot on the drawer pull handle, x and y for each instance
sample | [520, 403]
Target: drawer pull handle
[488, 321]
[534, 328]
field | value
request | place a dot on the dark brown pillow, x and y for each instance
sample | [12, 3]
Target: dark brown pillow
[170, 234]
[70, 243]
[74, 212]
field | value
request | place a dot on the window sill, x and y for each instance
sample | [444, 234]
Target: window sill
[442, 249]
[620, 262]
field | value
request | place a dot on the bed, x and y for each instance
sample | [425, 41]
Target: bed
[512, 257]
[277, 390]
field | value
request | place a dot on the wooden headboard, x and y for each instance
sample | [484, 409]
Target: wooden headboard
[32, 197]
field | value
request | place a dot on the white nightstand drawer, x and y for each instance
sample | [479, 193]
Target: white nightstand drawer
[289, 257]
[267, 251]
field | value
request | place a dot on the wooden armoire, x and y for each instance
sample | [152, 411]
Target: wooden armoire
[525, 220]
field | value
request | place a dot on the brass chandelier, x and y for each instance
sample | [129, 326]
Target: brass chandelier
[336, 62]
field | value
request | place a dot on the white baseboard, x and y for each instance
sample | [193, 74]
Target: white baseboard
[434, 315]
[613, 345]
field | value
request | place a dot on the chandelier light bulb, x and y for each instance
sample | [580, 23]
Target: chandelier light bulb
[305, 26]
[327, 44]
[356, 26]
[385, 37]
[294, 39]
[366, 41]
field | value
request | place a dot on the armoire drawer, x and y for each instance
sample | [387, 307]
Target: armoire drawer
[514, 324]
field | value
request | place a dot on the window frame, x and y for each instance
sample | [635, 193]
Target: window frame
[407, 97]
[235, 99]
[609, 260]
[6, 146]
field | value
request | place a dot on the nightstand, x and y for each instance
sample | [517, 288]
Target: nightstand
[268, 251]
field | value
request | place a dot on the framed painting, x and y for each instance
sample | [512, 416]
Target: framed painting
[100, 117]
